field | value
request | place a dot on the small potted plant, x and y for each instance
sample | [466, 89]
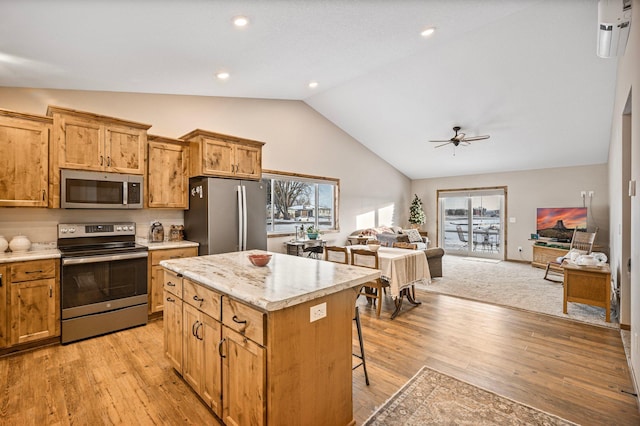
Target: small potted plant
[313, 232]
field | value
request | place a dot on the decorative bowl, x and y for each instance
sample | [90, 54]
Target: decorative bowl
[373, 247]
[259, 259]
[312, 235]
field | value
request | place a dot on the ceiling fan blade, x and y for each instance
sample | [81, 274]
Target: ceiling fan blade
[438, 146]
[446, 140]
[476, 138]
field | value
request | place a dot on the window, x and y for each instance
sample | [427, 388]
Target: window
[295, 200]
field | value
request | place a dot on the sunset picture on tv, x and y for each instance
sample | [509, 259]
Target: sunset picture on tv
[559, 223]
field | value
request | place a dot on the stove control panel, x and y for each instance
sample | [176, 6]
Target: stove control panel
[75, 230]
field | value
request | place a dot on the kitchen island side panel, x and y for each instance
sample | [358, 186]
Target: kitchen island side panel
[309, 363]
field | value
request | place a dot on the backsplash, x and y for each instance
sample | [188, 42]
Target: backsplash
[41, 225]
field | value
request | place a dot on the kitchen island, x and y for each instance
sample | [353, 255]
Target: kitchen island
[264, 345]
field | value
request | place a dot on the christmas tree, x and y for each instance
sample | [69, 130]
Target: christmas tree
[416, 214]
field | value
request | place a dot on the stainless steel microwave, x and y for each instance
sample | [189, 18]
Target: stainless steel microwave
[98, 190]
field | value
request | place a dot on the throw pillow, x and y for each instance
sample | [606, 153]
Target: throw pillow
[413, 234]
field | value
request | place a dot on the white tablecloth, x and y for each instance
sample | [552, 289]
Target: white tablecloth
[400, 267]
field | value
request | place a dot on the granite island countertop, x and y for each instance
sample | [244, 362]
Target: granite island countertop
[286, 281]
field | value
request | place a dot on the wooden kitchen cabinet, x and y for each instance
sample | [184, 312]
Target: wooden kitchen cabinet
[24, 159]
[88, 141]
[244, 380]
[168, 172]
[34, 300]
[156, 280]
[201, 333]
[4, 307]
[172, 326]
[215, 154]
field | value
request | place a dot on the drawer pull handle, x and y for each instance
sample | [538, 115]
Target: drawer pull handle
[170, 284]
[39, 271]
[0, 280]
[198, 299]
[169, 299]
[238, 321]
[220, 348]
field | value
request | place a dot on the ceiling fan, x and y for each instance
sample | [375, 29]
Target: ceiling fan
[460, 138]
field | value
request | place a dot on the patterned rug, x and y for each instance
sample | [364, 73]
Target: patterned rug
[512, 284]
[437, 399]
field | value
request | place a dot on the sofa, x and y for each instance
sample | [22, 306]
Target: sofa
[390, 235]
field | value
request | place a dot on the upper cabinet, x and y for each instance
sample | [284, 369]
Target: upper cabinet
[24, 159]
[215, 154]
[87, 141]
[168, 172]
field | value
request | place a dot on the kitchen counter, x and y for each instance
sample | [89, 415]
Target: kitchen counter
[285, 281]
[48, 253]
[167, 244]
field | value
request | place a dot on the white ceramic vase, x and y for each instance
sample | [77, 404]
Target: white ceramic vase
[20, 243]
[4, 244]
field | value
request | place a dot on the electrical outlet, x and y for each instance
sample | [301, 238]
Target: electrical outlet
[583, 194]
[318, 312]
[591, 193]
[520, 249]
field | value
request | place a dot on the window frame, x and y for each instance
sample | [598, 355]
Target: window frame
[280, 175]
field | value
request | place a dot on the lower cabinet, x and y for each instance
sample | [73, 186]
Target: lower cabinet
[244, 380]
[172, 326]
[155, 275]
[30, 291]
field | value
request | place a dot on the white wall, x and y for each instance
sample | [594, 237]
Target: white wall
[527, 190]
[298, 139]
[628, 77]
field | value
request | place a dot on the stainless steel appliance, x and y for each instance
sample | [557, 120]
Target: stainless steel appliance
[99, 190]
[103, 279]
[226, 215]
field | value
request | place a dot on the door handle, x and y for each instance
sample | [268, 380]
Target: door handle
[0, 280]
[238, 321]
[220, 348]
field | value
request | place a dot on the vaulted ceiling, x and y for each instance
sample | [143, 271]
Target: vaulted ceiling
[523, 71]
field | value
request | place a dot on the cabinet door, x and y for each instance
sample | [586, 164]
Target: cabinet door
[212, 378]
[33, 310]
[168, 175]
[192, 347]
[172, 324]
[156, 289]
[81, 144]
[124, 149]
[4, 307]
[248, 162]
[217, 157]
[24, 163]
[244, 380]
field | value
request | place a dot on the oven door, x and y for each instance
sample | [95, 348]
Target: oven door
[101, 283]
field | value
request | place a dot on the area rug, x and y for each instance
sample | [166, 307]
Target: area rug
[512, 284]
[433, 398]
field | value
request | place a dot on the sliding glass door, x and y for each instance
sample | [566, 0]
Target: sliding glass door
[471, 222]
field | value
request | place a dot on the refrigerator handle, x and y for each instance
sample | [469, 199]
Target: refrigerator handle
[240, 222]
[244, 217]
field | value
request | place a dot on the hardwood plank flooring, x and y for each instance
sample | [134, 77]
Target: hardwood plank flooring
[573, 370]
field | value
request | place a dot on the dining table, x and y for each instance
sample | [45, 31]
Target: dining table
[402, 269]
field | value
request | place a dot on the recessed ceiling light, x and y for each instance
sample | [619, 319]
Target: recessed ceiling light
[240, 21]
[222, 75]
[313, 84]
[427, 32]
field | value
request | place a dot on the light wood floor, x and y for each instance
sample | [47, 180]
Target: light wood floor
[572, 370]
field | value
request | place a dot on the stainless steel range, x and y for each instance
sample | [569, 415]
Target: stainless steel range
[104, 279]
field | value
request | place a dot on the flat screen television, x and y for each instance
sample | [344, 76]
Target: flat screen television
[558, 223]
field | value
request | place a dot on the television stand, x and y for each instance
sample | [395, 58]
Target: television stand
[545, 254]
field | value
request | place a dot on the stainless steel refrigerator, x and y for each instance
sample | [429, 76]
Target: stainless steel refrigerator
[226, 215]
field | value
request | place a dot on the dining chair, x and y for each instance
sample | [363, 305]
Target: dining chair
[336, 254]
[339, 254]
[582, 241]
[372, 289]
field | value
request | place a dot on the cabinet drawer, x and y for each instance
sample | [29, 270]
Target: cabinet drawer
[202, 298]
[33, 270]
[159, 255]
[173, 283]
[245, 320]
